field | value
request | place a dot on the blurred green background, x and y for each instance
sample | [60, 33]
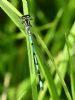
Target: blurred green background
[52, 19]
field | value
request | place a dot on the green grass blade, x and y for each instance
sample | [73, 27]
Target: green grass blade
[51, 32]
[65, 58]
[32, 71]
[22, 90]
[72, 76]
[13, 13]
[72, 71]
[52, 59]
[47, 75]
[25, 7]
[31, 59]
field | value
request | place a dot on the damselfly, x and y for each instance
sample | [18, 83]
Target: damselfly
[26, 20]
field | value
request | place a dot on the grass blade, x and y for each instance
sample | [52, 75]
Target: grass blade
[13, 13]
[47, 75]
[31, 59]
[72, 71]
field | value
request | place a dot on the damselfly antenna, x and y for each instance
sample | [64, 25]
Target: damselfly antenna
[26, 20]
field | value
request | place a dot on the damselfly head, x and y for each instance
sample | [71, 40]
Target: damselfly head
[26, 17]
[26, 20]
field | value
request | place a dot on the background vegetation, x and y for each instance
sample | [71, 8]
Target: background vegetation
[54, 38]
